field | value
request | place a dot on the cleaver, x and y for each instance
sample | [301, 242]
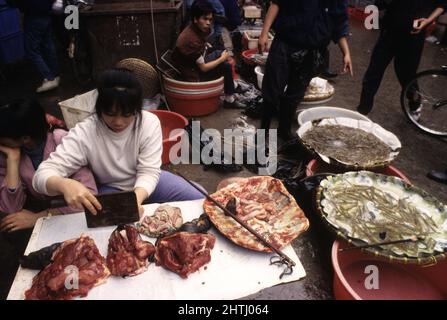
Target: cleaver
[117, 208]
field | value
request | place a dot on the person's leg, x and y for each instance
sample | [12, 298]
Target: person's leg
[171, 187]
[34, 34]
[299, 79]
[226, 70]
[406, 64]
[380, 59]
[219, 14]
[107, 189]
[49, 51]
[325, 68]
[444, 36]
[275, 80]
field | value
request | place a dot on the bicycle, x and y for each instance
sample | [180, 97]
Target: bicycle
[424, 101]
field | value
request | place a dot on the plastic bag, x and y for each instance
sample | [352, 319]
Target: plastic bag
[218, 159]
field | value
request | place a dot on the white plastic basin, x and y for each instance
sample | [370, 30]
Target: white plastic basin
[318, 113]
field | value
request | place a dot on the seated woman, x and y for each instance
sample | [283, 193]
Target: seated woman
[191, 58]
[25, 141]
[121, 144]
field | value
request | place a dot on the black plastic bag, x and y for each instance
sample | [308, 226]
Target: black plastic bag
[39, 259]
[218, 159]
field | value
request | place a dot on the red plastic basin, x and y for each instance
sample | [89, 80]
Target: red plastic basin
[317, 166]
[193, 99]
[395, 281]
[169, 122]
[247, 54]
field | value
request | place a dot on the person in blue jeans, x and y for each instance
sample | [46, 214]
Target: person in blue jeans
[232, 13]
[39, 46]
[216, 34]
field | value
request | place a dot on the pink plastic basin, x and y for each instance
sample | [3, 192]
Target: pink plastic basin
[317, 166]
[193, 99]
[395, 281]
[169, 122]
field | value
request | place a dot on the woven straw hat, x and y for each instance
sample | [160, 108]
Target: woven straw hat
[145, 73]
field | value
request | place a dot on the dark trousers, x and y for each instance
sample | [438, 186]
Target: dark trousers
[326, 58]
[287, 76]
[12, 247]
[39, 46]
[406, 50]
[224, 69]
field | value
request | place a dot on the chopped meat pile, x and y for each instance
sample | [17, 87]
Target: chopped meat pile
[184, 252]
[165, 219]
[128, 253]
[76, 268]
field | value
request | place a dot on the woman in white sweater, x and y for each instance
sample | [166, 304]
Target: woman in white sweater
[121, 144]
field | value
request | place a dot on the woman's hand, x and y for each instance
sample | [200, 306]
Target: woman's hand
[224, 55]
[12, 154]
[141, 211]
[12, 176]
[18, 221]
[419, 25]
[347, 65]
[263, 43]
[78, 196]
[142, 195]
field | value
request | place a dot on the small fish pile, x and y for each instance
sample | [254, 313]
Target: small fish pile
[372, 215]
[347, 145]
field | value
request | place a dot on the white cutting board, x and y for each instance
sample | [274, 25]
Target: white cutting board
[233, 272]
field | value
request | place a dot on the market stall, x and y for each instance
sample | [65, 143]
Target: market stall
[233, 272]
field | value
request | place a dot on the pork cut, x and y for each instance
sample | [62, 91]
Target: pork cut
[184, 252]
[77, 266]
[127, 253]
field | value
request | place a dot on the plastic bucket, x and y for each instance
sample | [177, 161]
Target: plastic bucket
[316, 166]
[393, 282]
[259, 76]
[169, 122]
[193, 99]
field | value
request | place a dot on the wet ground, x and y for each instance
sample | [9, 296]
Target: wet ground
[420, 152]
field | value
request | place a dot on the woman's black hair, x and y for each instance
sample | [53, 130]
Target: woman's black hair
[119, 88]
[23, 117]
[201, 8]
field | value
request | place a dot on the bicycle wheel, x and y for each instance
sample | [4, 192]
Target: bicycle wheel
[424, 102]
